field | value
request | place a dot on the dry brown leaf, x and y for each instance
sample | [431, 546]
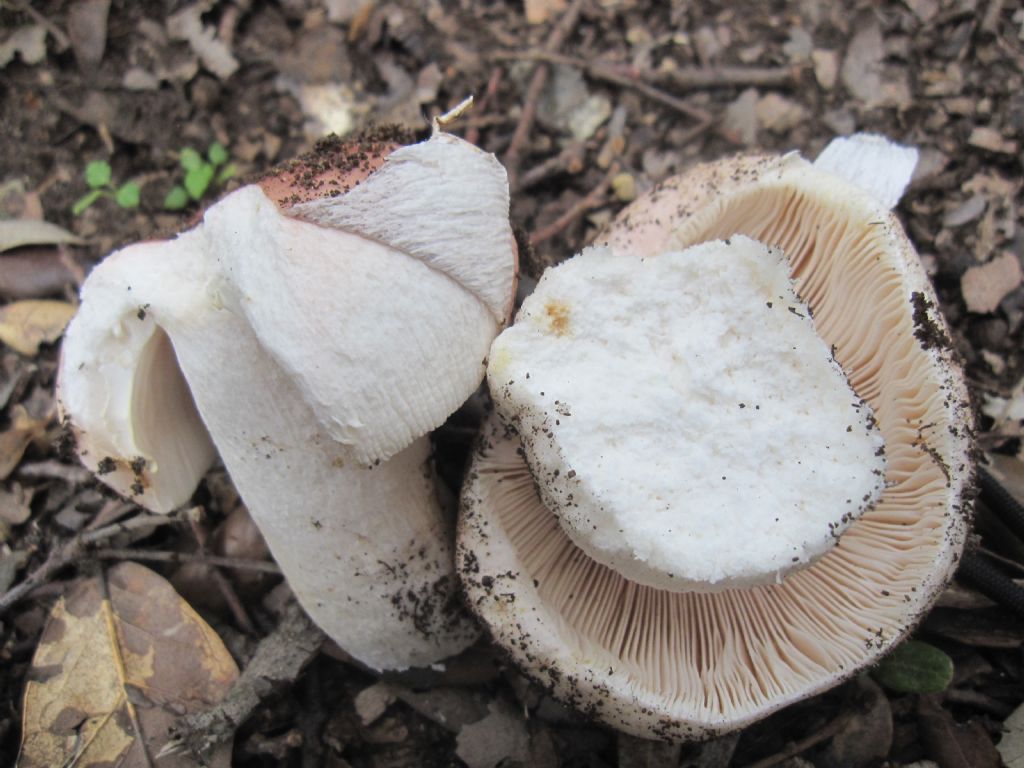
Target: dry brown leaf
[115, 664]
[984, 286]
[16, 233]
[1011, 746]
[952, 744]
[24, 325]
[16, 438]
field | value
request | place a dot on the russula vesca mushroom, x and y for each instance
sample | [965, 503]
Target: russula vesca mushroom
[312, 347]
[687, 663]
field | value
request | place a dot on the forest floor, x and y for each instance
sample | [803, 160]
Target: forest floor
[588, 104]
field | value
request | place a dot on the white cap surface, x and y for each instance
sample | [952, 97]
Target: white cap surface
[666, 403]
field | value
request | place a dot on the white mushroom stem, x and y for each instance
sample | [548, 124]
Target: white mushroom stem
[314, 359]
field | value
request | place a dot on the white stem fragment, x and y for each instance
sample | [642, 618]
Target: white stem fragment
[875, 164]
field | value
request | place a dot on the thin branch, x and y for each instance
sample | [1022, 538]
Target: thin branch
[278, 659]
[263, 566]
[473, 131]
[624, 77]
[569, 160]
[74, 549]
[555, 41]
[680, 78]
[594, 198]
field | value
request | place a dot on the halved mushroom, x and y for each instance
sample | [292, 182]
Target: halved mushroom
[699, 351]
[687, 664]
[314, 356]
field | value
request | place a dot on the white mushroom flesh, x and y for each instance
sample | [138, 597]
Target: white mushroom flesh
[666, 403]
[688, 665]
[313, 359]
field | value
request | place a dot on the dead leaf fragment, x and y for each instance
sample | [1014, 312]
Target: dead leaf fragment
[15, 233]
[826, 67]
[87, 30]
[991, 140]
[34, 273]
[24, 325]
[984, 286]
[1011, 746]
[952, 744]
[16, 439]
[107, 668]
[499, 737]
[187, 24]
[28, 42]
[739, 124]
[778, 114]
[862, 68]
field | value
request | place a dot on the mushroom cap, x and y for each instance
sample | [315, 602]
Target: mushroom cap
[665, 403]
[690, 665]
[313, 359]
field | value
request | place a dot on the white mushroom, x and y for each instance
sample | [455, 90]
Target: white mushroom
[686, 664]
[314, 359]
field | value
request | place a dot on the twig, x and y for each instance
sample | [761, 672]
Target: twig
[593, 199]
[473, 131]
[56, 560]
[55, 470]
[141, 521]
[279, 658]
[621, 76]
[569, 160]
[555, 40]
[72, 550]
[681, 78]
[240, 563]
[827, 731]
[224, 585]
[63, 43]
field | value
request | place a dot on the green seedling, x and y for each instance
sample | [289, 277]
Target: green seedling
[200, 174]
[98, 177]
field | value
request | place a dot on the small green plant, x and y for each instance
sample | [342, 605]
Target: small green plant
[200, 173]
[98, 177]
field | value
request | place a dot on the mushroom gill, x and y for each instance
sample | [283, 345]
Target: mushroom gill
[687, 665]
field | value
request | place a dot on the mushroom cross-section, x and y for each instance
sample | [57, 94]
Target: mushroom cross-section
[683, 664]
[313, 349]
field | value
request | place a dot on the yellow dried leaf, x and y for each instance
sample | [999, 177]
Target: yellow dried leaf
[16, 438]
[114, 669]
[24, 325]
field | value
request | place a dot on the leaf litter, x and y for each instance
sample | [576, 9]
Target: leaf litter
[965, 114]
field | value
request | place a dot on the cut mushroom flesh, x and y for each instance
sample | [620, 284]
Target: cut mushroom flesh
[690, 665]
[315, 359]
[666, 403]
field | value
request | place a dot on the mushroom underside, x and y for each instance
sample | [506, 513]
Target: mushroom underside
[688, 665]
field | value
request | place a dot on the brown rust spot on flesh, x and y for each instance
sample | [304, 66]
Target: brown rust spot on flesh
[557, 315]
